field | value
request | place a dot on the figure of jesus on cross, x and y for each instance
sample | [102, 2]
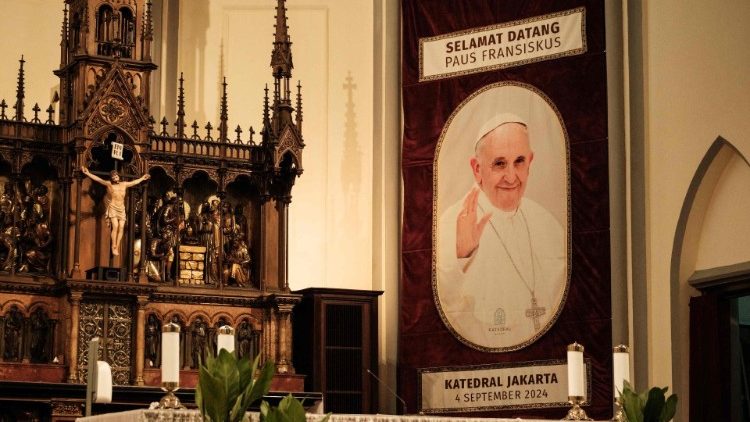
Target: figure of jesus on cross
[115, 203]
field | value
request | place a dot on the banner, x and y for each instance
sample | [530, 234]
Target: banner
[487, 387]
[505, 239]
[503, 45]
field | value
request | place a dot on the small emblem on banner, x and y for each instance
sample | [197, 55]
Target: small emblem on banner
[499, 316]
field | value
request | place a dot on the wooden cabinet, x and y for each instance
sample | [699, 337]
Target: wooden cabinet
[336, 344]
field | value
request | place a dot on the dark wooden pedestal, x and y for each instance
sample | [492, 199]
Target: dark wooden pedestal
[336, 344]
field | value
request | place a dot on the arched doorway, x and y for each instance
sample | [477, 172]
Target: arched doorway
[710, 280]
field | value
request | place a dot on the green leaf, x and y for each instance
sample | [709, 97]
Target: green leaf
[238, 410]
[213, 404]
[247, 373]
[631, 404]
[292, 408]
[262, 384]
[226, 386]
[670, 408]
[654, 405]
[269, 413]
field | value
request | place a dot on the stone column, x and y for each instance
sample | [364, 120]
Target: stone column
[268, 339]
[140, 339]
[75, 302]
[77, 234]
[284, 363]
[283, 210]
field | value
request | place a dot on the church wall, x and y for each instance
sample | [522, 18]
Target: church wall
[693, 91]
[38, 24]
[716, 246]
[330, 218]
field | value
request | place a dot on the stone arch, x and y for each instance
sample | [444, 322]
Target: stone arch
[195, 314]
[696, 214]
[289, 160]
[9, 304]
[252, 319]
[104, 16]
[44, 306]
[220, 314]
[127, 30]
[112, 133]
[180, 314]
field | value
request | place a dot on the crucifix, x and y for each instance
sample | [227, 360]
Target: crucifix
[535, 312]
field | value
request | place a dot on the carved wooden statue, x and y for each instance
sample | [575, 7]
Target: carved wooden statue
[115, 203]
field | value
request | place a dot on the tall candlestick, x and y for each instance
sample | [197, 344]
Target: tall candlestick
[621, 368]
[170, 366]
[576, 385]
[225, 339]
[170, 353]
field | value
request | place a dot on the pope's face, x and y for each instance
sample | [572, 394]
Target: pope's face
[501, 165]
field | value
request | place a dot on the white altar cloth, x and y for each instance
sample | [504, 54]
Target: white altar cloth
[194, 416]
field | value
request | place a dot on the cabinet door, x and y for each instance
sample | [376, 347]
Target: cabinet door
[346, 357]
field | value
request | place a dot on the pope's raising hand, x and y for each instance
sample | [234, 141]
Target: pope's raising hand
[468, 229]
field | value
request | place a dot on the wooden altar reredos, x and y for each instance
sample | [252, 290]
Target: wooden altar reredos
[205, 238]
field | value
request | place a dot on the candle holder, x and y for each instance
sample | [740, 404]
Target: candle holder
[620, 369]
[170, 373]
[225, 339]
[576, 412]
[170, 400]
[619, 414]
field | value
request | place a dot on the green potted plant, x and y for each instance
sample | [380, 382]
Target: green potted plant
[227, 386]
[648, 406]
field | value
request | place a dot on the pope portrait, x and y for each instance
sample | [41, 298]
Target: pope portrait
[501, 257]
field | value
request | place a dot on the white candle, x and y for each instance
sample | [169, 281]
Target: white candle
[575, 371]
[170, 353]
[621, 368]
[225, 339]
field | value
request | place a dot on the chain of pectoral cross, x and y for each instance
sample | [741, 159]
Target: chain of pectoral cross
[534, 312]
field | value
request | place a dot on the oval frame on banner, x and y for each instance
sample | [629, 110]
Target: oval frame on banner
[503, 317]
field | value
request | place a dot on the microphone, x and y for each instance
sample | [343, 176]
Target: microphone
[381, 382]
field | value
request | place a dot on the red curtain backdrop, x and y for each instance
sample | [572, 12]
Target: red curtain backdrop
[577, 86]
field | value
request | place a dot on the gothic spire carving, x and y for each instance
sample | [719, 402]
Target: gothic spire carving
[64, 39]
[147, 34]
[148, 23]
[298, 118]
[281, 67]
[20, 93]
[224, 117]
[281, 56]
[84, 30]
[180, 123]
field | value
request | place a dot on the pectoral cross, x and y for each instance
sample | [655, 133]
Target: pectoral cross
[535, 312]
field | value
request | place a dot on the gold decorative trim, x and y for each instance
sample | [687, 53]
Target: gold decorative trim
[575, 347]
[620, 348]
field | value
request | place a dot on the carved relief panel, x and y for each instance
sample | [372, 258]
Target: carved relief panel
[112, 322]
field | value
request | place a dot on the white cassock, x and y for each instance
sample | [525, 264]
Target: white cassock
[487, 298]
